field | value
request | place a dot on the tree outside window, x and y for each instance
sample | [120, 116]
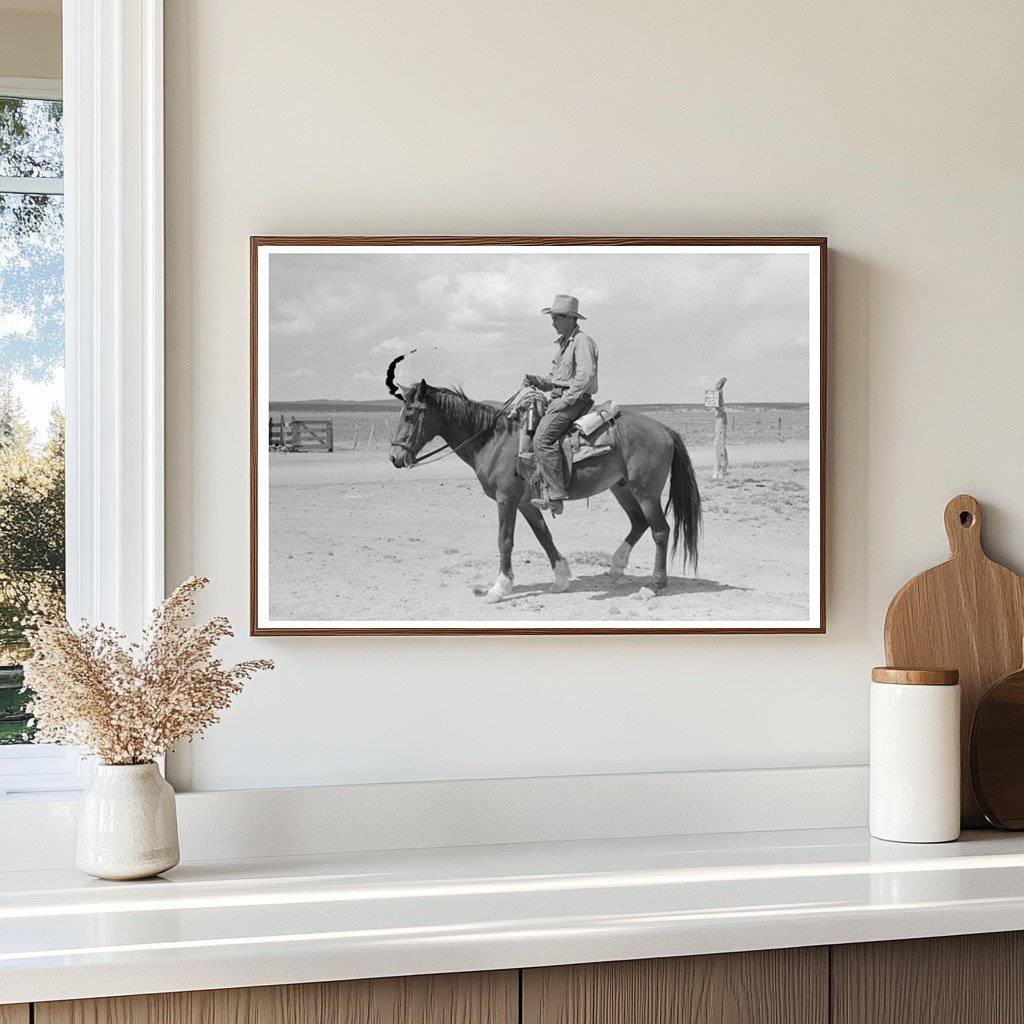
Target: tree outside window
[31, 385]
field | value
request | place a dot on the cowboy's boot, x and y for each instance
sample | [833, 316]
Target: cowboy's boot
[554, 505]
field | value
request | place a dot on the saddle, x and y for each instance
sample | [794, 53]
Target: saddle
[591, 435]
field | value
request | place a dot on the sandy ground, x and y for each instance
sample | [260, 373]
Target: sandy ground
[352, 538]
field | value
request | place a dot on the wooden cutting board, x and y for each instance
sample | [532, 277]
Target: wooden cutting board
[967, 614]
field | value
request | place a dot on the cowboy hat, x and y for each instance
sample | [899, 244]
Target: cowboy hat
[568, 305]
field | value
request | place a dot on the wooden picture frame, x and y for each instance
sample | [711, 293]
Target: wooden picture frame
[261, 248]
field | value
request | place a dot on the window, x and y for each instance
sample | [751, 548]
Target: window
[32, 529]
[112, 166]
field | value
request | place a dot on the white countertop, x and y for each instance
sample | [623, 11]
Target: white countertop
[272, 921]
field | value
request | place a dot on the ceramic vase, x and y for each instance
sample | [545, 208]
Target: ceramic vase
[127, 826]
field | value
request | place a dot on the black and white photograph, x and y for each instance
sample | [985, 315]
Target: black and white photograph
[549, 435]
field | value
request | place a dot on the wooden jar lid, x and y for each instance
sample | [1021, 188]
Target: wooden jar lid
[916, 676]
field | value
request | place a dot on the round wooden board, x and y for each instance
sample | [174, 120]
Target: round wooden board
[997, 753]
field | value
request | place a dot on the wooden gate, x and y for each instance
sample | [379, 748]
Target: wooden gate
[293, 435]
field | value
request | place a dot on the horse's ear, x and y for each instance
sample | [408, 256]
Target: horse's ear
[407, 393]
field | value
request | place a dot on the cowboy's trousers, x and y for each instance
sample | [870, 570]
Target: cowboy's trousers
[547, 443]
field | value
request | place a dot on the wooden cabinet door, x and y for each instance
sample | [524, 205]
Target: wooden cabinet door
[14, 1014]
[961, 979]
[777, 986]
[479, 998]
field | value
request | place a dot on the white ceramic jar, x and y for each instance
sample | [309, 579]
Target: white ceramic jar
[127, 825]
[915, 755]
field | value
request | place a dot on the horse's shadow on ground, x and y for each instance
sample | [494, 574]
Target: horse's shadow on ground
[602, 587]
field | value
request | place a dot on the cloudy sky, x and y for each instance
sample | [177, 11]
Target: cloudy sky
[666, 325]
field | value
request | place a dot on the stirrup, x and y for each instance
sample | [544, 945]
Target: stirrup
[555, 505]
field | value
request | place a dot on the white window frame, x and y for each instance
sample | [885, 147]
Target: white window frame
[31, 89]
[114, 328]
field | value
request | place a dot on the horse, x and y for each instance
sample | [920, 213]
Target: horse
[646, 455]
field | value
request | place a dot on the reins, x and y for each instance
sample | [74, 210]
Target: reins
[438, 453]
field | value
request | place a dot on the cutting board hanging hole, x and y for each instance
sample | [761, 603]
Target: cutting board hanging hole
[963, 526]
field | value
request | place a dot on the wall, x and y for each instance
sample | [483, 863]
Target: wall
[30, 39]
[895, 129]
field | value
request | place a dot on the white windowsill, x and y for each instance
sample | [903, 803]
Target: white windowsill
[33, 772]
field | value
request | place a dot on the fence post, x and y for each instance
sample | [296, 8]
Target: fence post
[714, 398]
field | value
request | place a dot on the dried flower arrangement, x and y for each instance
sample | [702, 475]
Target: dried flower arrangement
[129, 703]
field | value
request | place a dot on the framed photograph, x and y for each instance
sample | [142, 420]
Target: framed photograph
[537, 435]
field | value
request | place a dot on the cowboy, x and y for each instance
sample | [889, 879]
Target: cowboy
[572, 384]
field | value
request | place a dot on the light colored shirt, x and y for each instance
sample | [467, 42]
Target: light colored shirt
[575, 366]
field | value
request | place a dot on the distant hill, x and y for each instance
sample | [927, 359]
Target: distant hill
[331, 405]
[390, 405]
[654, 406]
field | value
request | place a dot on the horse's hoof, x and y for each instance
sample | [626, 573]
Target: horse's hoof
[619, 560]
[563, 577]
[502, 588]
[659, 586]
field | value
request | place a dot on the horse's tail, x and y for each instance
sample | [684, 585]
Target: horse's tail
[684, 498]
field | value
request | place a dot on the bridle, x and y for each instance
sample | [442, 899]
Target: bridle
[420, 407]
[418, 460]
[442, 450]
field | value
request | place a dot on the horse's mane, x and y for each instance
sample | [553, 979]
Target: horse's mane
[462, 411]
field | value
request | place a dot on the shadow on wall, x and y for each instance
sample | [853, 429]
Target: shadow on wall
[854, 287]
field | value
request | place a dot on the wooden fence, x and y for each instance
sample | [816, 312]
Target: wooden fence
[293, 435]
